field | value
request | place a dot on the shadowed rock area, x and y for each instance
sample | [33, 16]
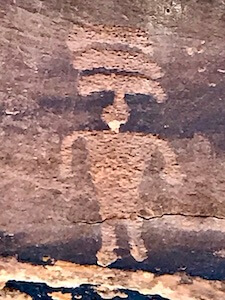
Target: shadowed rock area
[85, 292]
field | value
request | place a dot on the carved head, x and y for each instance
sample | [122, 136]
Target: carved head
[115, 58]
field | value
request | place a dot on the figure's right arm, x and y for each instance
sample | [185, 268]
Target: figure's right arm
[66, 152]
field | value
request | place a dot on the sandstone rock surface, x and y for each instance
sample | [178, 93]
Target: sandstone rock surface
[112, 146]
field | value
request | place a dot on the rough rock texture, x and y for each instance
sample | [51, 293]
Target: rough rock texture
[112, 141]
[111, 281]
[8, 294]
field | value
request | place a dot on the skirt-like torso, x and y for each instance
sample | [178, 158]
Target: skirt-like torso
[116, 164]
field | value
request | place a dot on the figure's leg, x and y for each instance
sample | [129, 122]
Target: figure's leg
[106, 255]
[137, 246]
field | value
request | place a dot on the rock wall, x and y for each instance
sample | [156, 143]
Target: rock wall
[112, 149]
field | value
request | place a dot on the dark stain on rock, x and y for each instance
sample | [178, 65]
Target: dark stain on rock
[178, 259]
[86, 292]
[10, 243]
[196, 109]
[56, 104]
[193, 253]
[91, 106]
[93, 102]
[144, 114]
[102, 70]
[181, 259]
[170, 251]
[181, 116]
[80, 251]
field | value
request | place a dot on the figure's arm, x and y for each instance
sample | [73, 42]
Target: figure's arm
[66, 152]
[171, 172]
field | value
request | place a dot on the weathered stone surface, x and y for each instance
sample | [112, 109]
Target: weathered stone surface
[8, 294]
[112, 137]
[111, 281]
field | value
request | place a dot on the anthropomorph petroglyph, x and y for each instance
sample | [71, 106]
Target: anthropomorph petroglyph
[117, 159]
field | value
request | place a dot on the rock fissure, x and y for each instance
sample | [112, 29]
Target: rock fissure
[151, 218]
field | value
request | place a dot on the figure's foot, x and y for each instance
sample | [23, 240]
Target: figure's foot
[136, 242]
[106, 257]
[139, 252]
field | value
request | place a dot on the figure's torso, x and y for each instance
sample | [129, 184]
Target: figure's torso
[117, 162]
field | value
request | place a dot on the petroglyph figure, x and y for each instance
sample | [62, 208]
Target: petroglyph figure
[117, 160]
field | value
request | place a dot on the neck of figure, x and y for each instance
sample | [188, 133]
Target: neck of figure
[117, 114]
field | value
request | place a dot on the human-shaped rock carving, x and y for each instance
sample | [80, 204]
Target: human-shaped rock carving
[118, 60]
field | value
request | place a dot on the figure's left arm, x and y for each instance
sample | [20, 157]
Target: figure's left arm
[171, 173]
